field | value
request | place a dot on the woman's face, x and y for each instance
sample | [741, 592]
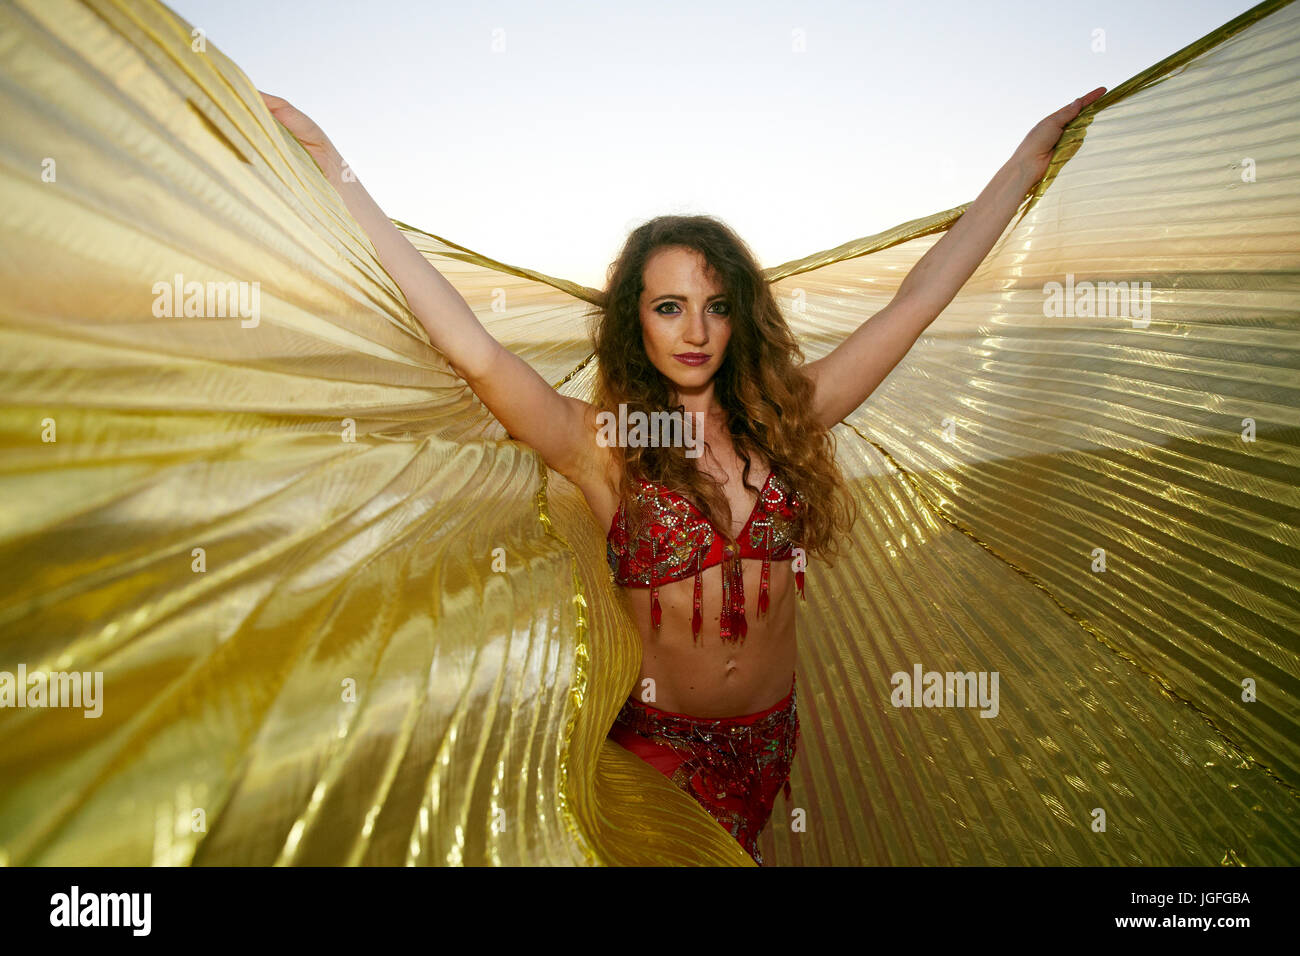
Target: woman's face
[685, 317]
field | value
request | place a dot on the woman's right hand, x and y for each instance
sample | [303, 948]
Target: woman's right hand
[560, 428]
[312, 137]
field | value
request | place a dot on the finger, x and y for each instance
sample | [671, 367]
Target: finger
[1067, 112]
[1072, 109]
[273, 102]
[1089, 98]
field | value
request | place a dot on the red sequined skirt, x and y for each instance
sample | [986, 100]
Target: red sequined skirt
[733, 766]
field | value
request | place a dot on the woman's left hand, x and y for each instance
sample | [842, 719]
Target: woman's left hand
[1035, 153]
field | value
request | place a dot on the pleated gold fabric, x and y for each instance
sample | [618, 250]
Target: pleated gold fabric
[342, 619]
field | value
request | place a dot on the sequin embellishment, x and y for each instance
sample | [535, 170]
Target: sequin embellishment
[677, 541]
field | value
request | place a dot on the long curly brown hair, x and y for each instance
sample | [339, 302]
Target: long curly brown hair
[761, 386]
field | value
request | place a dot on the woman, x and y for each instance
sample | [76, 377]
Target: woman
[708, 554]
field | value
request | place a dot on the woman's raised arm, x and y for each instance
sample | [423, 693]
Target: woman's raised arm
[558, 427]
[850, 373]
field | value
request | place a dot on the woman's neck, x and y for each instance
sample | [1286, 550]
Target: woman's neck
[701, 400]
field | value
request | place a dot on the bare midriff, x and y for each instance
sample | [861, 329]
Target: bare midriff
[706, 676]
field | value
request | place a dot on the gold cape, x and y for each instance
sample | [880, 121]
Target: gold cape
[341, 619]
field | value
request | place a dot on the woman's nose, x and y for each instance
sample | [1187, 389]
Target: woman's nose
[697, 332]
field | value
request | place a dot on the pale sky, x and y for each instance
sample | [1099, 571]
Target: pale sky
[541, 134]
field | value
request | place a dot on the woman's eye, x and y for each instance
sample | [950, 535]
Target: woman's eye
[725, 309]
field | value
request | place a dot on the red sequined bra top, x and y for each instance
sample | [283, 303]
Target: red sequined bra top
[677, 541]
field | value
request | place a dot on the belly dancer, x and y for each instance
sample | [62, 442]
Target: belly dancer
[700, 388]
